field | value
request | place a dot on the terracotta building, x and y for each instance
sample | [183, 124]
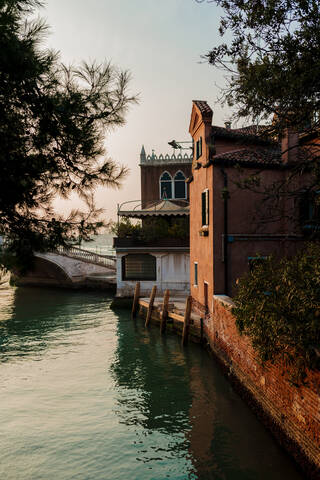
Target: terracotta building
[164, 176]
[158, 258]
[228, 233]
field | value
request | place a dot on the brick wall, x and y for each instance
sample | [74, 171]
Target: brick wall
[150, 179]
[294, 412]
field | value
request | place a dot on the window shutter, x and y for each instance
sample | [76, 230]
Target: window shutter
[207, 207]
[139, 267]
[199, 148]
[203, 207]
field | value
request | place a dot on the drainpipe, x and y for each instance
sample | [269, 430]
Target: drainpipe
[225, 196]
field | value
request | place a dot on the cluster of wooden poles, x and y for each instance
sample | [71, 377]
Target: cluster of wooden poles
[164, 313]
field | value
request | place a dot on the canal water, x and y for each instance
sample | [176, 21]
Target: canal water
[88, 394]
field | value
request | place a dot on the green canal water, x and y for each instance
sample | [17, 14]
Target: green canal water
[88, 394]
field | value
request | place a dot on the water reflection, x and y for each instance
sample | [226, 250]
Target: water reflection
[152, 366]
[153, 397]
[33, 319]
[89, 394]
[180, 392]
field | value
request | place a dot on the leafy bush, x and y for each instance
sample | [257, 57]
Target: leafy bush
[125, 228]
[152, 229]
[278, 306]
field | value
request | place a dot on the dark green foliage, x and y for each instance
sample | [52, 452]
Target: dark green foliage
[272, 59]
[152, 229]
[278, 306]
[126, 229]
[52, 125]
[271, 54]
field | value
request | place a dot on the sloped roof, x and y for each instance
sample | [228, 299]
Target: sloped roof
[158, 209]
[245, 156]
[203, 106]
[251, 133]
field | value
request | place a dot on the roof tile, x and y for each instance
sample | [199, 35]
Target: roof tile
[245, 156]
[203, 106]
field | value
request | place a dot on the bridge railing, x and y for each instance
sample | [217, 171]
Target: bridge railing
[88, 256]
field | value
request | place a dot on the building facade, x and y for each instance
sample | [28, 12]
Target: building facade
[158, 254]
[228, 230]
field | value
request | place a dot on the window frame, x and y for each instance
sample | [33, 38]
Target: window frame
[254, 261]
[174, 186]
[309, 210]
[195, 274]
[136, 277]
[167, 181]
[198, 148]
[205, 208]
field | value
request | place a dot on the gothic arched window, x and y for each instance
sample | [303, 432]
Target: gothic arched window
[165, 185]
[179, 185]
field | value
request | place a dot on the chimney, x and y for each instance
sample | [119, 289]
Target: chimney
[289, 146]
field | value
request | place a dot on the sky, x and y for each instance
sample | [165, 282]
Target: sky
[160, 42]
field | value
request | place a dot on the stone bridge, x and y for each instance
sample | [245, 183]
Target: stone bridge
[71, 267]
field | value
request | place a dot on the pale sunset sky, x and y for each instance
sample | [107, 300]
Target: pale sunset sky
[160, 42]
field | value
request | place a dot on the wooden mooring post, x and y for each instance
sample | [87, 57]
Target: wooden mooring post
[186, 320]
[135, 300]
[164, 313]
[150, 307]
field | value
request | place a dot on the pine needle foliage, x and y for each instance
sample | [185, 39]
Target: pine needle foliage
[53, 121]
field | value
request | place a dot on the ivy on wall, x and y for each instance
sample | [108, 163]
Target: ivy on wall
[278, 306]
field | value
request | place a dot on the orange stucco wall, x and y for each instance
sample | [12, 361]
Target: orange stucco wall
[248, 234]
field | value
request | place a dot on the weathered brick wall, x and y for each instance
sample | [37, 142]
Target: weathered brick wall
[295, 411]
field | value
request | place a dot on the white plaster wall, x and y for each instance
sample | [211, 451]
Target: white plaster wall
[175, 267]
[172, 273]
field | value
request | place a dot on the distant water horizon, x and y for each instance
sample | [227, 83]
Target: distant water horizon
[100, 244]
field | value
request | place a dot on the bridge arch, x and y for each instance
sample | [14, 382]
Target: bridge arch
[46, 271]
[69, 269]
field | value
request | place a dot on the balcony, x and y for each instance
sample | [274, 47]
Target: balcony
[165, 243]
[152, 233]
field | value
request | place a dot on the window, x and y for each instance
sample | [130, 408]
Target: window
[166, 185]
[254, 262]
[206, 297]
[195, 274]
[179, 185]
[205, 207]
[310, 210]
[199, 148]
[139, 267]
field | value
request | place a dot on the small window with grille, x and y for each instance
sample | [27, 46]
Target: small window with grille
[139, 267]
